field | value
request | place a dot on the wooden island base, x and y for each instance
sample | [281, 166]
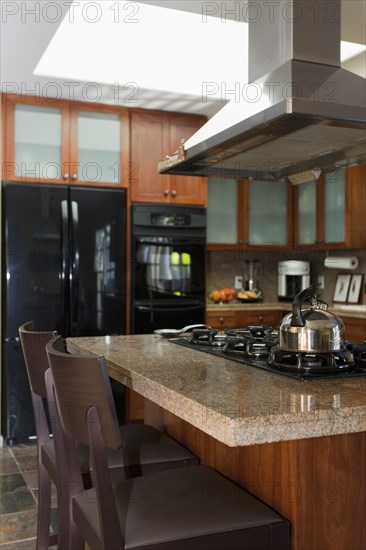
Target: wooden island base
[319, 484]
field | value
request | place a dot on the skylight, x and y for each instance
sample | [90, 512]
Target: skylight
[350, 49]
[154, 48]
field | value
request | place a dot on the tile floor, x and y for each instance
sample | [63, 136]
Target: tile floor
[18, 500]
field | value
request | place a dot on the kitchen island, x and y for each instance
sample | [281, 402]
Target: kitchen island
[299, 446]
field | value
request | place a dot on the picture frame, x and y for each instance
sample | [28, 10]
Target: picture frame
[355, 287]
[341, 288]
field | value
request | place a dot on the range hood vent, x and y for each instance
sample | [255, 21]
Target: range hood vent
[310, 115]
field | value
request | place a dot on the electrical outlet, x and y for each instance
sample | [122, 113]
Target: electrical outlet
[320, 282]
[238, 283]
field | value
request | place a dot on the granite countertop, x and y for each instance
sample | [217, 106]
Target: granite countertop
[236, 404]
[356, 312]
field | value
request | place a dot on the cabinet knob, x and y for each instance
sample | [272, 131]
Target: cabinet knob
[66, 176]
[174, 193]
[260, 318]
[241, 241]
[74, 177]
[166, 192]
[221, 320]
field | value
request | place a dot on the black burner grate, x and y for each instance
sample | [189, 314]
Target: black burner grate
[258, 347]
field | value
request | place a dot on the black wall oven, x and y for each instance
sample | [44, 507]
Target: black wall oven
[168, 266]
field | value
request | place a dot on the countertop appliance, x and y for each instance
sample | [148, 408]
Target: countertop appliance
[252, 274]
[64, 267]
[258, 346]
[300, 110]
[168, 266]
[293, 277]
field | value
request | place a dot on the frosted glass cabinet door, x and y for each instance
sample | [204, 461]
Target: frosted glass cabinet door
[267, 213]
[307, 212]
[222, 218]
[99, 147]
[38, 139]
[335, 213]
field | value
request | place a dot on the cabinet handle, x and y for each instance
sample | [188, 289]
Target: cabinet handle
[74, 177]
[174, 193]
[166, 192]
[66, 176]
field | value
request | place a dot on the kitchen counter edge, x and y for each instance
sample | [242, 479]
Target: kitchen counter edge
[237, 406]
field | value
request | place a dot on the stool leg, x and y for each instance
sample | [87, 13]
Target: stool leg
[44, 508]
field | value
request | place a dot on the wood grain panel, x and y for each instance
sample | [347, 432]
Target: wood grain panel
[355, 329]
[319, 484]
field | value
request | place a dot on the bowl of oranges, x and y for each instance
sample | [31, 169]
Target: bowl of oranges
[224, 295]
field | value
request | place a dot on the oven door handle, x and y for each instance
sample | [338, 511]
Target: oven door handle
[155, 309]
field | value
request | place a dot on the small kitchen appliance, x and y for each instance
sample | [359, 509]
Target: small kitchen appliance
[252, 274]
[293, 277]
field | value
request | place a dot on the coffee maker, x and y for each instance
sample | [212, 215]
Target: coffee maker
[293, 277]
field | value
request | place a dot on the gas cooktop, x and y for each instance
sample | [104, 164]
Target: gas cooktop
[257, 346]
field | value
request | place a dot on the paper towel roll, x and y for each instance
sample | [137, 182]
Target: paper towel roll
[341, 262]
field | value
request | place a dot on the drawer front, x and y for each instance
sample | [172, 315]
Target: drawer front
[240, 318]
[222, 320]
[355, 329]
[258, 317]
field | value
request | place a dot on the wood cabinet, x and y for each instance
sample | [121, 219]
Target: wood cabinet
[329, 212]
[243, 318]
[154, 135]
[261, 211]
[58, 141]
[134, 406]
[355, 329]
[323, 214]
[312, 482]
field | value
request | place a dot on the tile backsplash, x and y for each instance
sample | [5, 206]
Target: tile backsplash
[224, 265]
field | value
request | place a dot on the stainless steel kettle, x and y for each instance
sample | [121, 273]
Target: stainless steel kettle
[313, 329]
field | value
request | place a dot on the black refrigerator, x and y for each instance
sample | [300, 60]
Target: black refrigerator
[63, 266]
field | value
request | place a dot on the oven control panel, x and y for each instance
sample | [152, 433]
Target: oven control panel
[170, 219]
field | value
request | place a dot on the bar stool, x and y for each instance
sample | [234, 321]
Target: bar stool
[33, 344]
[175, 509]
[147, 449]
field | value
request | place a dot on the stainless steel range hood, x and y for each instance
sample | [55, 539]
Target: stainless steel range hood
[308, 113]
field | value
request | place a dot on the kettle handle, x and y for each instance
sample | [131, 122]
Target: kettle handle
[297, 319]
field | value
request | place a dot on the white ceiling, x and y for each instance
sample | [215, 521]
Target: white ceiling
[27, 30]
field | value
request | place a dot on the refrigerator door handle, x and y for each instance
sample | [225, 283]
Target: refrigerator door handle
[64, 255]
[74, 275]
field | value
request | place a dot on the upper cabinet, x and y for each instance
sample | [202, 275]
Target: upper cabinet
[249, 213]
[325, 214]
[154, 135]
[266, 216]
[65, 142]
[330, 212]
[222, 211]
